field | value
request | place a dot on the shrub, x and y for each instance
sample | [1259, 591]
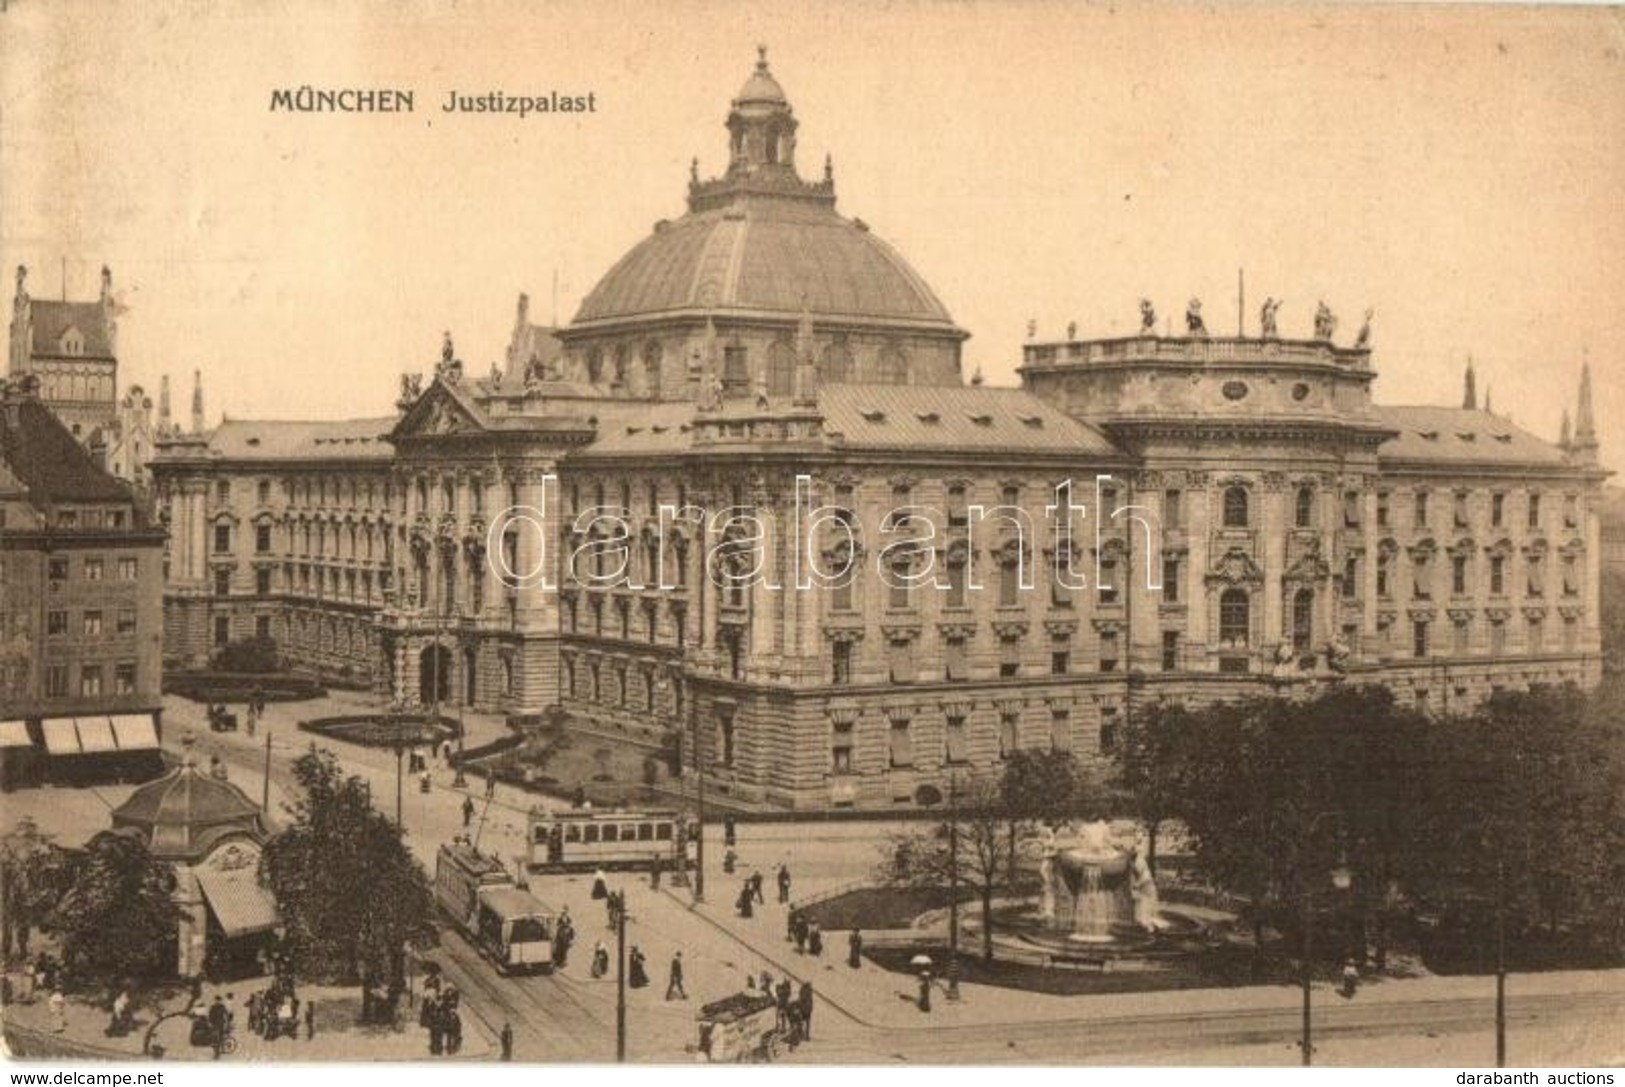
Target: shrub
[256, 656]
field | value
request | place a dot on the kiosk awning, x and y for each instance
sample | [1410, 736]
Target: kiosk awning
[61, 738]
[14, 734]
[135, 732]
[238, 901]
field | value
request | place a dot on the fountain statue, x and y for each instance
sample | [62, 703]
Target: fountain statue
[1091, 887]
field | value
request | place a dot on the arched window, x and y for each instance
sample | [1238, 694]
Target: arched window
[1235, 507]
[1303, 620]
[735, 371]
[595, 365]
[651, 367]
[781, 369]
[1235, 618]
[837, 365]
[1305, 510]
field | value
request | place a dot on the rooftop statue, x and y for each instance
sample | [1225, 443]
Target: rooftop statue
[1325, 321]
[1363, 339]
[1194, 325]
[1266, 317]
[1148, 316]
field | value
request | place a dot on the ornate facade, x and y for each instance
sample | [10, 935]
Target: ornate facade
[1272, 527]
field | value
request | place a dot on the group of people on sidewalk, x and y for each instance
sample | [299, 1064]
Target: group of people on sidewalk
[440, 1014]
[795, 1006]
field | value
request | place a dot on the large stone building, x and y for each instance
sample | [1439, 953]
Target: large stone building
[81, 600]
[1285, 530]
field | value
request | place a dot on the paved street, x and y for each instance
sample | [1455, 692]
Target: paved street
[863, 1015]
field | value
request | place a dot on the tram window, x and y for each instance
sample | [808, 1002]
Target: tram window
[572, 832]
[591, 830]
[539, 833]
[662, 832]
[629, 832]
[611, 832]
[646, 832]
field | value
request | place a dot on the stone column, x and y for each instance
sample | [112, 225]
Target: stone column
[1270, 532]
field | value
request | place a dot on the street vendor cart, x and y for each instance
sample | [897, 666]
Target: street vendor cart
[743, 1027]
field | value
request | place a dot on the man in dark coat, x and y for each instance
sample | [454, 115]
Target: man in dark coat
[854, 949]
[784, 883]
[805, 999]
[675, 985]
[756, 888]
[468, 811]
[219, 1023]
[781, 993]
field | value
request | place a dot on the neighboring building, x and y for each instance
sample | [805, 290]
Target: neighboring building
[81, 601]
[1302, 533]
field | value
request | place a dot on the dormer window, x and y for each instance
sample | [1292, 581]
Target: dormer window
[73, 342]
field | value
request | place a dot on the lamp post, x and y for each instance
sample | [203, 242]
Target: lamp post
[1500, 964]
[699, 836]
[620, 982]
[953, 886]
[1341, 879]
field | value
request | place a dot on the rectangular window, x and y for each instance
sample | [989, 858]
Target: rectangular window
[262, 582]
[1170, 580]
[840, 749]
[1571, 576]
[902, 746]
[1060, 654]
[1108, 582]
[957, 565]
[956, 740]
[58, 570]
[1009, 656]
[1534, 509]
[1382, 576]
[1461, 630]
[1382, 509]
[1060, 730]
[1498, 508]
[262, 538]
[90, 680]
[93, 569]
[1110, 731]
[222, 490]
[1351, 578]
[1170, 651]
[56, 622]
[1458, 574]
[954, 665]
[1173, 513]
[222, 582]
[1498, 637]
[92, 624]
[1459, 516]
[262, 626]
[1537, 635]
[128, 569]
[843, 663]
[1108, 651]
[222, 538]
[1351, 509]
[222, 630]
[1571, 511]
[1419, 639]
[1498, 569]
[56, 680]
[1007, 735]
[124, 678]
[1421, 517]
[900, 658]
[265, 492]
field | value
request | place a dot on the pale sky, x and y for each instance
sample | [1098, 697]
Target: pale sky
[1460, 169]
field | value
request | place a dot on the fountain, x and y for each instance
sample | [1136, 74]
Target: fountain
[1093, 890]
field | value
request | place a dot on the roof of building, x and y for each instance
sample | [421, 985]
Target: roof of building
[186, 811]
[765, 255]
[283, 439]
[45, 457]
[1461, 436]
[917, 419]
[51, 319]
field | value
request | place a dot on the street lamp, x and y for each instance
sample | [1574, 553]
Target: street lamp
[1341, 879]
[665, 684]
[953, 885]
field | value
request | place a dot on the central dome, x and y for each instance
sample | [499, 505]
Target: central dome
[762, 241]
[770, 255]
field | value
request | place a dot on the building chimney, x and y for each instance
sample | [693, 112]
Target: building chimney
[1469, 394]
[197, 401]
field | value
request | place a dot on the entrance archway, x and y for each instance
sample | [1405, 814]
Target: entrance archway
[434, 674]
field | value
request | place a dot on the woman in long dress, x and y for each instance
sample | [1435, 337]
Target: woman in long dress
[600, 886]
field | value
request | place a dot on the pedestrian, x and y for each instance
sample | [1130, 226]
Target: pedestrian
[445, 751]
[219, 1018]
[730, 861]
[310, 1019]
[784, 883]
[925, 989]
[654, 872]
[798, 929]
[767, 983]
[815, 940]
[437, 1029]
[454, 1032]
[730, 836]
[600, 887]
[59, 1011]
[854, 949]
[118, 1026]
[600, 959]
[425, 783]
[805, 1000]
[793, 1026]
[1351, 978]
[745, 899]
[675, 985]
[468, 811]
[506, 1039]
[756, 887]
[253, 718]
[637, 973]
[781, 993]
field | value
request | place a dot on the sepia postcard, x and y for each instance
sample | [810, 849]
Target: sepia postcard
[877, 533]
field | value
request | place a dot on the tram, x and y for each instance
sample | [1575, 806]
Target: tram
[584, 839]
[509, 925]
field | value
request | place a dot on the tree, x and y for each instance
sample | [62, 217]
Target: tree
[34, 875]
[337, 844]
[970, 847]
[1151, 764]
[118, 916]
[1038, 785]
